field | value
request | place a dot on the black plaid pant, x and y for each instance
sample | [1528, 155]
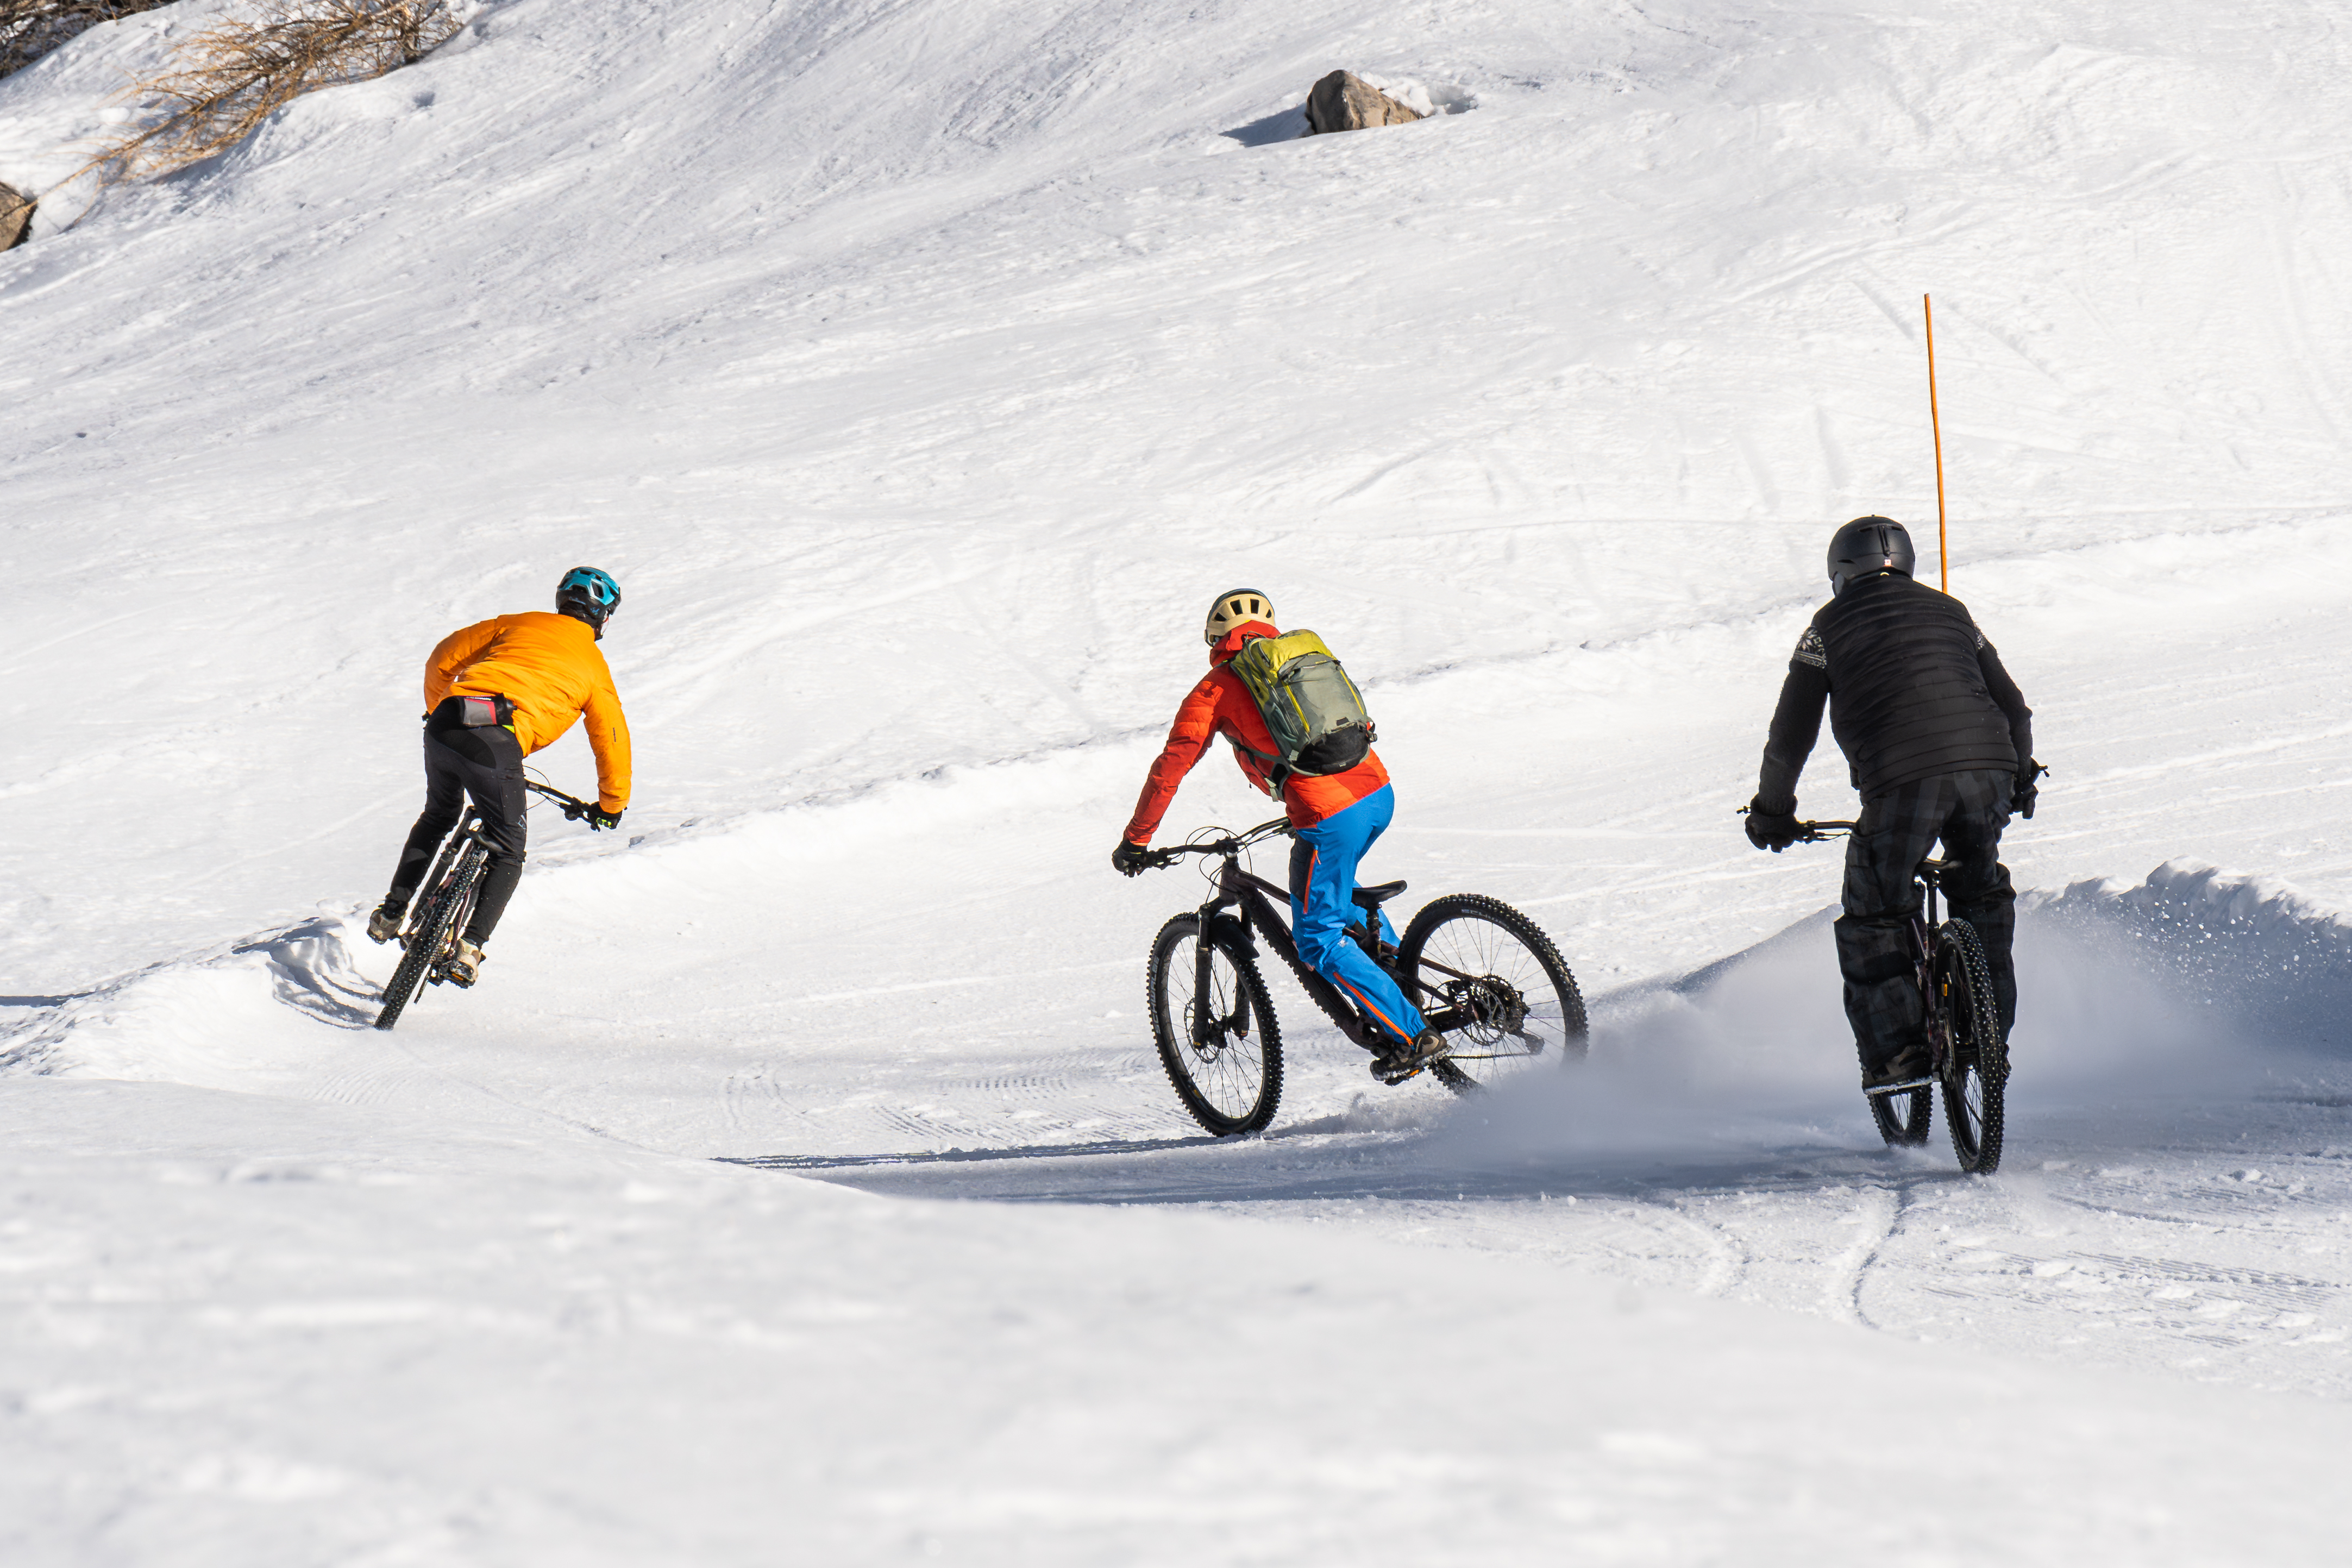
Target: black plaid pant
[1898, 830]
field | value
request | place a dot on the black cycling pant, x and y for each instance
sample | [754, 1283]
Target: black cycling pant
[486, 764]
[1898, 830]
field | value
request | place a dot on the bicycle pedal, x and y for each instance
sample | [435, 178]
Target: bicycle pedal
[1905, 1087]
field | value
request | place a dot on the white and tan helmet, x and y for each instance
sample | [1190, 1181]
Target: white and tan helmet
[1235, 607]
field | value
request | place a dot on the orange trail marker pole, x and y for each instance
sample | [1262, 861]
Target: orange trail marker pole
[1935, 423]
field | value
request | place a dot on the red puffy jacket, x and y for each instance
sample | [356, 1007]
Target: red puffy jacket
[1221, 705]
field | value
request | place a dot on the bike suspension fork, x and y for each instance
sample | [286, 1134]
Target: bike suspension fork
[1206, 1020]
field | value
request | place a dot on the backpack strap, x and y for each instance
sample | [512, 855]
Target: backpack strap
[1276, 770]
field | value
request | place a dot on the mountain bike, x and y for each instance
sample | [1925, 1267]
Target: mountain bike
[1966, 1056]
[428, 937]
[1484, 976]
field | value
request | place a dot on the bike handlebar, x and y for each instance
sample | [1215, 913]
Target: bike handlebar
[572, 807]
[1232, 843]
[1812, 832]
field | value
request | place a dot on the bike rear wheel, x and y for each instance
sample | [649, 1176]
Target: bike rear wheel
[430, 935]
[1230, 1077]
[1519, 1006]
[1976, 1071]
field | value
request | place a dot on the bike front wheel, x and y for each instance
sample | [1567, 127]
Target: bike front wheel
[1903, 1119]
[1976, 1067]
[1490, 980]
[1216, 1030]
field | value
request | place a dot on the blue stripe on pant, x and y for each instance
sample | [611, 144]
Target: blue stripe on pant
[1322, 906]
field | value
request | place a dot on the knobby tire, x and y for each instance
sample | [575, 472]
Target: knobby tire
[1976, 1078]
[1504, 939]
[1232, 1083]
[1904, 1120]
[425, 941]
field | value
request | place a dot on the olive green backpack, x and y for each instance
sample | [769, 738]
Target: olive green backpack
[1311, 709]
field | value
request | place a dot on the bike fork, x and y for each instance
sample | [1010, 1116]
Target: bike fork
[1203, 996]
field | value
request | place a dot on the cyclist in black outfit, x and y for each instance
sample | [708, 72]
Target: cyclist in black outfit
[1940, 743]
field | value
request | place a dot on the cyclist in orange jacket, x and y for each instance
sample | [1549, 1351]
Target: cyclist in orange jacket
[495, 693]
[1334, 818]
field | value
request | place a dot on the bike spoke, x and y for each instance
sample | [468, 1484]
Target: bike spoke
[1494, 986]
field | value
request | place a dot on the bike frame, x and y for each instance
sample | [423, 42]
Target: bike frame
[1928, 876]
[1261, 903]
[469, 832]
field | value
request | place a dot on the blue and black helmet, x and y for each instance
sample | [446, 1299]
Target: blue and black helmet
[588, 594]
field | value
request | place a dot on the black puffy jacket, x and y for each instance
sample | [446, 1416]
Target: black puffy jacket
[1914, 690]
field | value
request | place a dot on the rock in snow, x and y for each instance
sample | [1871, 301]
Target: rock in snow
[1345, 101]
[15, 216]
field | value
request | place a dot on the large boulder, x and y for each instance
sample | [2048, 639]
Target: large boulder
[1345, 101]
[15, 216]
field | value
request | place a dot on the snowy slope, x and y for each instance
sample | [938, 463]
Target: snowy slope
[920, 369]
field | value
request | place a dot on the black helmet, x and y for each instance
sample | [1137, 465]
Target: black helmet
[1865, 547]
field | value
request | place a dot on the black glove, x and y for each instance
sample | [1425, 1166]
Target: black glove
[2021, 798]
[600, 819]
[1131, 859]
[1773, 830]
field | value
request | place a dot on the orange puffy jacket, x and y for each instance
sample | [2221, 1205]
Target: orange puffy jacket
[1221, 705]
[550, 667]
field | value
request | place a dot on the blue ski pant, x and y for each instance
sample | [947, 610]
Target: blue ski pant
[1323, 905]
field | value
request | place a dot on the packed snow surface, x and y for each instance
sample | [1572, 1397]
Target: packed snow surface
[800, 1183]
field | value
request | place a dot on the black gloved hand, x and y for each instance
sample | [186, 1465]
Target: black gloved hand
[600, 819]
[2022, 797]
[1131, 859]
[1773, 830]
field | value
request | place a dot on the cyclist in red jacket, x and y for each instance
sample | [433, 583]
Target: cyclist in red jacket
[1334, 818]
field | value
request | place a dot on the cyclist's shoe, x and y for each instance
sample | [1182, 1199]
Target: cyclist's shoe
[384, 924]
[466, 964]
[1907, 1067]
[1402, 1062]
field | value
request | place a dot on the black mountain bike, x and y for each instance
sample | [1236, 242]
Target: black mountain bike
[1967, 1055]
[1484, 975]
[428, 939]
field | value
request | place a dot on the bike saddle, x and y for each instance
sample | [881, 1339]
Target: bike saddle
[1373, 897]
[1932, 866]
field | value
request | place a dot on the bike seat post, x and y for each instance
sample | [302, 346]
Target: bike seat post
[1931, 877]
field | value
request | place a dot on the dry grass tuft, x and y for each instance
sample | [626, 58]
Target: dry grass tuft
[221, 84]
[31, 28]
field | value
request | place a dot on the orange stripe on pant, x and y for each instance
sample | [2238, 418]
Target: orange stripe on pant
[1323, 859]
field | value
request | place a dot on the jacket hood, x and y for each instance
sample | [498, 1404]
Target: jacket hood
[1231, 643]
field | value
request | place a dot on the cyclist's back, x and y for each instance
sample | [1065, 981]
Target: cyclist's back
[548, 666]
